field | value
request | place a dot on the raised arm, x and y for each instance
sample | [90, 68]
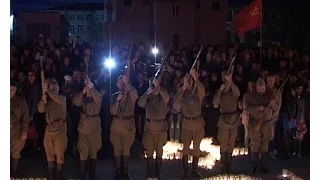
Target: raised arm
[178, 96]
[201, 91]
[235, 90]
[142, 102]
[61, 100]
[217, 98]
[77, 99]
[133, 94]
[114, 107]
[249, 107]
[41, 106]
[96, 96]
[165, 95]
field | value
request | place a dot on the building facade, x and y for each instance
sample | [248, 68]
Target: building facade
[29, 25]
[172, 21]
[86, 21]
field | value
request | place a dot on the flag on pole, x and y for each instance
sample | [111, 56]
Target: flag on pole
[248, 19]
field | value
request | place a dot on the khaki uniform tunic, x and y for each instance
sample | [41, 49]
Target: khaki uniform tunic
[229, 118]
[156, 126]
[252, 103]
[193, 122]
[19, 122]
[123, 128]
[89, 140]
[55, 139]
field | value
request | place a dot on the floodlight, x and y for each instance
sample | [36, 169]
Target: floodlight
[110, 63]
[155, 51]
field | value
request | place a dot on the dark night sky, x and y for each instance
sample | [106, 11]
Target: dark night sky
[23, 5]
[35, 4]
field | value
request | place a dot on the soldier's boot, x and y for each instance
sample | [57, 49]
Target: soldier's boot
[83, 170]
[150, 168]
[59, 175]
[50, 170]
[195, 173]
[92, 172]
[157, 173]
[223, 160]
[255, 162]
[263, 163]
[117, 160]
[125, 165]
[229, 163]
[185, 166]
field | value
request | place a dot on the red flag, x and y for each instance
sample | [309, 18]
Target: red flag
[249, 18]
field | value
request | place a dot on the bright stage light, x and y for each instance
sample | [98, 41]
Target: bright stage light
[155, 51]
[110, 63]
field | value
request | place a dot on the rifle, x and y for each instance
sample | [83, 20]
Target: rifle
[230, 69]
[195, 63]
[161, 66]
[257, 127]
[43, 90]
[128, 66]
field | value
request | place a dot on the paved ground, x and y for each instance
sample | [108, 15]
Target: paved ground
[34, 165]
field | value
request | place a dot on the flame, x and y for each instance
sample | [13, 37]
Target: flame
[173, 150]
[230, 177]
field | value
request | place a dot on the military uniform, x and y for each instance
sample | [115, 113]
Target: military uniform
[275, 114]
[155, 129]
[19, 121]
[55, 139]
[89, 139]
[259, 139]
[192, 124]
[228, 123]
[123, 129]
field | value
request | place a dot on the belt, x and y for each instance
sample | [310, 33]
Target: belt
[192, 118]
[229, 113]
[155, 120]
[89, 116]
[124, 117]
[57, 123]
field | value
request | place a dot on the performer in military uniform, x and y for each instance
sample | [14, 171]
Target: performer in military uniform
[260, 128]
[19, 121]
[55, 139]
[227, 98]
[155, 101]
[190, 97]
[123, 125]
[271, 89]
[89, 140]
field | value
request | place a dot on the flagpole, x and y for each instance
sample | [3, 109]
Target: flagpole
[261, 12]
